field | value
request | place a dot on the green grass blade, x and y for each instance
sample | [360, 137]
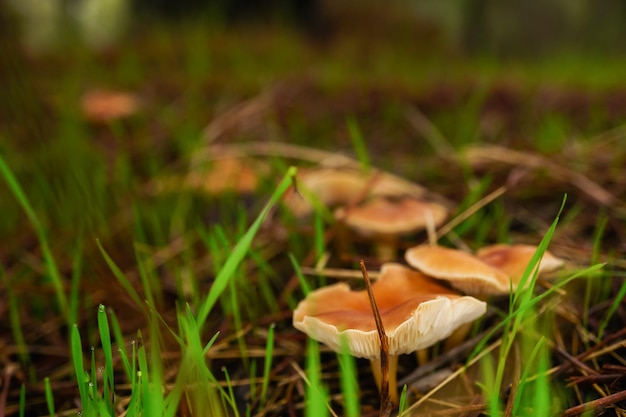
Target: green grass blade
[49, 397]
[306, 288]
[241, 248]
[403, 405]
[79, 368]
[320, 243]
[14, 318]
[121, 278]
[315, 393]
[144, 276]
[589, 272]
[267, 367]
[22, 400]
[231, 393]
[77, 267]
[117, 334]
[51, 266]
[93, 385]
[617, 302]
[349, 381]
[105, 339]
[358, 143]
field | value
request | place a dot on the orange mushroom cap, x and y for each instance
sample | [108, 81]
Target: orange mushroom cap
[514, 259]
[415, 310]
[382, 215]
[495, 270]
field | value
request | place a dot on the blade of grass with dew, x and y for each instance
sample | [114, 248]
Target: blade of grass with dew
[125, 363]
[358, 143]
[315, 392]
[151, 386]
[119, 275]
[50, 263]
[49, 397]
[82, 378]
[105, 340]
[117, 333]
[267, 365]
[133, 408]
[349, 380]
[240, 250]
[93, 384]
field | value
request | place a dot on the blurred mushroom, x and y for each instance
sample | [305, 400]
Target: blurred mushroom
[495, 270]
[385, 219]
[416, 312]
[334, 187]
[102, 106]
[237, 175]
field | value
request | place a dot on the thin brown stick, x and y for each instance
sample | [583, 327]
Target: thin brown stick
[470, 211]
[385, 401]
[597, 406]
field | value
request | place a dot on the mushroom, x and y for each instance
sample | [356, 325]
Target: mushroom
[495, 270]
[415, 310]
[341, 187]
[223, 175]
[385, 219]
[102, 105]
[514, 259]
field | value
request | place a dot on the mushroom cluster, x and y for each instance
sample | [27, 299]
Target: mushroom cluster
[377, 206]
[415, 308]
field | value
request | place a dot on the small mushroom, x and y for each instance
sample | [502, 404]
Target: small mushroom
[495, 270]
[415, 310]
[341, 187]
[385, 219]
[102, 105]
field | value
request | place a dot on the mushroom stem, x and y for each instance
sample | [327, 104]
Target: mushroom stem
[457, 337]
[393, 377]
[422, 356]
[386, 248]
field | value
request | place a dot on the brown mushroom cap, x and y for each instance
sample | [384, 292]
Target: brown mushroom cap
[333, 187]
[495, 270]
[464, 271]
[415, 310]
[381, 215]
[514, 259]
